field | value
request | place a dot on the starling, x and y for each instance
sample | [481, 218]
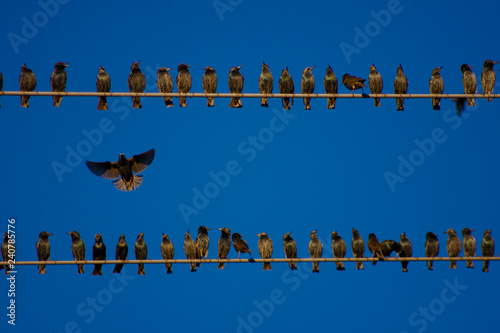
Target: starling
[58, 81]
[352, 82]
[27, 82]
[388, 246]
[167, 252]
[209, 81]
[43, 250]
[202, 243]
[6, 254]
[376, 84]
[487, 249]
[77, 248]
[375, 247]
[183, 82]
[265, 84]
[141, 253]
[331, 87]
[431, 248]
[165, 84]
[453, 246]
[358, 248]
[224, 245]
[488, 78]
[265, 249]
[339, 249]
[1, 82]
[470, 83]
[436, 86]
[469, 246]
[240, 245]
[406, 251]
[400, 87]
[98, 253]
[123, 170]
[290, 249]
[307, 86]
[235, 81]
[120, 253]
[136, 84]
[286, 87]
[190, 250]
[103, 84]
[315, 250]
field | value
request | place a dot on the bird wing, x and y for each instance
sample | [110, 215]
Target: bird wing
[142, 161]
[108, 170]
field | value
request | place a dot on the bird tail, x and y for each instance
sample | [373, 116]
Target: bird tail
[169, 268]
[315, 267]
[131, 185]
[286, 103]
[267, 266]
[340, 266]
[136, 103]
[471, 102]
[307, 103]
[182, 102]
[103, 103]
[168, 102]
[235, 103]
[404, 265]
[359, 265]
[489, 99]
[400, 104]
[57, 101]
[220, 265]
[469, 264]
[25, 101]
[486, 264]
[263, 102]
[331, 103]
[97, 270]
[429, 265]
[293, 265]
[118, 268]
[193, 267]
[80, 269]
[41, 269]
[377, 102]
[453, 264]
[140, 269]
[436, 103]
[210, 101]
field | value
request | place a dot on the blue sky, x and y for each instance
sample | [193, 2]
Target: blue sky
[322, 169]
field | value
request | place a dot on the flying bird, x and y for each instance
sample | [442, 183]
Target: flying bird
[331, 87]
[431, 248]
[58, 81]
[488, 77]
[487, 249]
[103, 84]
[436, 86]
[352, 82]
[265, 84]
[453, 246]
[190, 250]
[286, 86]
[165, 84]
[376, 83]
[406, 251]
[240, 245]
[77, 248]
[223, 246]
[123, 170]
[375, 248]
[470, 82]
[315, 250]
[339, 249]
[469, 246]
[358, 248]
[27, 82]
[400, 87]
[290, 248]
[183, 81]
[141, 253]
[98, 253]
[307, 86]
[235, 82]
[136, 84]
[167, 252]
[202, 242]
[43, 250]
[265, 245]
[209, 82]
[121, 253]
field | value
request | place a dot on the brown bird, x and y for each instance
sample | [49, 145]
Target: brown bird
[58, 81]
[487, 249]
[121, 253]
[43, 249]
[431, 248]
[224, 245]
[352, 82]
[469, 246]
[406, 251]
[488, 78]
[27, 82]
[165, 84]
[209, 81]
[136, 84]
[202, 242]
[375, 248]
[436, 86]
[400, 87]
[358, 248]
[240, 245]
[453, 246]
[290, 248]
[265, 245]
[470, 82]
[307, 86]
[77, 248]
[98, 253]
[331, 86]
[190, 250]
[141, 253]
[235, 82]
[183, 82]
[265, 83]
[315, 250]
[103, 84]
[388, 246]
[376, 83]
[286, 86]
[339, 249]
[167, 251]
[123, 170]
[7, 254]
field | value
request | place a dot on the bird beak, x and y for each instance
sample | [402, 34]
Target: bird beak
[69, 233]
[240, 66]
[441, 67]
[25, 63]
[209, 229]
[66, 64]
[495, 62]
[258, 235]
[313, 67]
[204, 68]
[50, 234]
[220, 229]
[472, 229]
[169, 69]
[189, 66]
[162, 234]
[139, 61]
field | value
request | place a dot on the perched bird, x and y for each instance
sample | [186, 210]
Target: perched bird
[123, 170]
[58, 81]
[77, 248]
[406, 251]
[98, 253]
[121, 253]
[202, 242]
[375, 247]
[265, 84]
[27, 82]
[167, 251]
[240, 245]
[376, 84]
[165, 84]
[190, 250]
[1, 82]
[358, 247]
[141, 253]
[488, 78]
[290, 249]
[388, 246]
[431, 248]
[331, 87]
[339, 249]
[6, 254]
[436, 86]
[459, 104]
[209, 81]
[103, 84]
[265, 249]
[315, 250]
[307, 86]
[183, 81]
[470, 82]
[223, 246]
[286, 87]
[453, 246]
[136, 84]
[469, 246]
[400, 87]
[352, 82]
[43, 249]
[487, 249]
[235, 81]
